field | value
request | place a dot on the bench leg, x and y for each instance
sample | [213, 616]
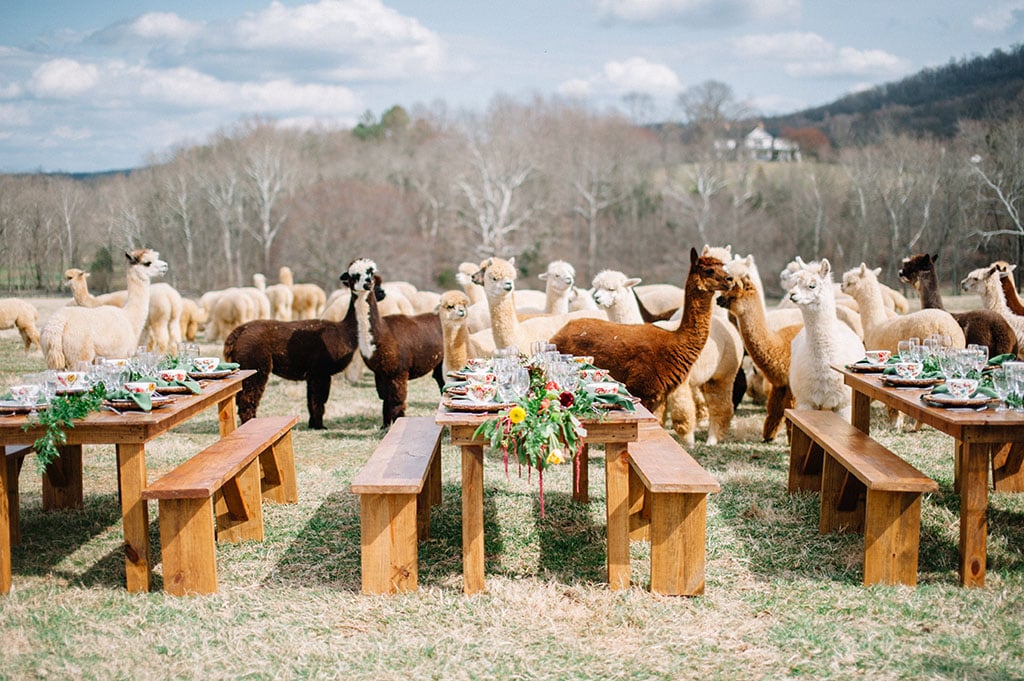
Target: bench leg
[62, 482]
[387, 543]
[1008, 468]
[805, 457]
[678, 527]
[238, 507]
[6, 530]
[278, 464]
[842, 499]
[13, 497]
[187, 546]
[616, 475]
[639, 510]
[433, 481]
[892, 533]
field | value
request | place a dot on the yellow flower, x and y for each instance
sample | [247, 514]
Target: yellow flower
[555, 457]
[516, 414]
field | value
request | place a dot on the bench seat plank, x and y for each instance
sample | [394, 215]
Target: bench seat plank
[870, 461]
[399, 463]
[680, 473]
[207, 471]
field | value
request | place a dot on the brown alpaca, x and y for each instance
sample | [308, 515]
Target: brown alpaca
[651, 361]
[1013, 300]
[985, 327]
[768, 349]
[397, 348]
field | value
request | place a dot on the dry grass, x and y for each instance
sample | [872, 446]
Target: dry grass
[782, 601]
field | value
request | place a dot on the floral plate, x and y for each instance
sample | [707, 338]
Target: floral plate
[455, 404]
[196, 375]
[128, 404]
[947, 400]
[901, 382]
[15, 407]
[866, 368]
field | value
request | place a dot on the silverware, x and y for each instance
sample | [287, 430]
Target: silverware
[107, 406]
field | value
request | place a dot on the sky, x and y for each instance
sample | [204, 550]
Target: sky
[90, 86]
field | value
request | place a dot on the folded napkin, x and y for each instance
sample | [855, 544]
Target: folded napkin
[982, 391]
[998, 360]
[144, 400]
[228, 366]
[618, 400]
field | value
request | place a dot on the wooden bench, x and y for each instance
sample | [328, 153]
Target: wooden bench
[397, 487]
[864, 488]
[668, 504]
[217, 496]
[10, 505]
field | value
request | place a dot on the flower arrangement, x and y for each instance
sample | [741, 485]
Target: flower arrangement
[543, 428]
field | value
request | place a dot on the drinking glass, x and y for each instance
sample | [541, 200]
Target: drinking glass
[1002, 383]
[1015, 397]
[521, 382]
[905, 349]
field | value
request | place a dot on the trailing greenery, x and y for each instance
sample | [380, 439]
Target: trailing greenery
[62, 413]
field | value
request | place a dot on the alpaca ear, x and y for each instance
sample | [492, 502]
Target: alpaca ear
[630, 283]
[131, 258]
[825, 267]
[934, 258]
[877, 271]
[542, 276]
[693, 255]
[379, 293]
[512, 261]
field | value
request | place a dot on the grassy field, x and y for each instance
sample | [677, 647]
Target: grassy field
[782, 601]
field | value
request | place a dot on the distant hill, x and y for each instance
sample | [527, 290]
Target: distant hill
[931, 101]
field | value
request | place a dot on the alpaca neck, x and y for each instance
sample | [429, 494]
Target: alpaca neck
[1013, 301]
[869, 300]
[136, 307]
[820, 324]
[504, 322]
[456, 345]
[556, 302]
[992, 296]
[765, 347]
[80, 292]
[364, 314]
[927, 286]
[695, 325]
[625, 309]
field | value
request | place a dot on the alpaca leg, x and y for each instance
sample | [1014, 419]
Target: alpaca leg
[700, 404]
[248, 399]
[394, 405]
[779, 398]
[718, 397]
[354, 370]
[318, 390]
[683, 411]
[439, 377]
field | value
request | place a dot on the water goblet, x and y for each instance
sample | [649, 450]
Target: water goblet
[904, 349]
[1002, 384]
[521, 382]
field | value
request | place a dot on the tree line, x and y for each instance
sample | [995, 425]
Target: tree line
[543, 179]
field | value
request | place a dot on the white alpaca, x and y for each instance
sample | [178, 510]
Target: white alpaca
[824, 342]
[163, 320]
[308, 300]
[279, 296]
[451, 309]
[22, 315]
[882, 332]
[228, 309]
[985, 281]
[193, 317]
[75, 334]
[559, 279]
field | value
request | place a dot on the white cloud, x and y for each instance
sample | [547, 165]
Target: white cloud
[164, 26]
[66, 132]
[282, 96]
[63, 78]
[808, 55]
[639, 75]
[15, 115]
[1000, 18]
[707, 12]
[577, 88]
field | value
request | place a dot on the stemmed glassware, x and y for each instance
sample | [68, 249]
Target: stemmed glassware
[1002, 384]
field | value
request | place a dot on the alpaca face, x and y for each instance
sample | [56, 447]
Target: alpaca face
[809, 287]
[608, 285]
[359, 275]
[146, 262]
[498, 278]
[976, 281]
[711, 274]
[915, 268]
[560, 276]
[860, 279]
[452, 308]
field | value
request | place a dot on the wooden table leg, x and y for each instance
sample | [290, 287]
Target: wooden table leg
[227, 415]
[616, 473]
[472, 518]
[581, 476]
[973, 512]
[62, 482]
[860, 414]
[5, 521]
[131, 472]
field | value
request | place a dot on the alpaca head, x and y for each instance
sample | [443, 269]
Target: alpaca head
[1003, 268]
[916, 267]
[608, 285]
[560, 276]
[145, 263]
[860, 280]
[259, 281]
[497, 276]
[451, 308]
[73, 274]
[707, 274]
[786, 275]
[742, 289]
[811, 284]
[359, 275]
[977, 280]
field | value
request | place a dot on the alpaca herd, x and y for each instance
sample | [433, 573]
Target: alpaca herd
[680, 349]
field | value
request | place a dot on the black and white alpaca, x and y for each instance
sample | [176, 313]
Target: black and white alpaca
[310, 350]
[396, 348]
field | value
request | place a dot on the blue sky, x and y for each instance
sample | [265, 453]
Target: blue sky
[88, 86]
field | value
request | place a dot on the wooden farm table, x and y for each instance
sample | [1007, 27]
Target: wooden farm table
[979, 437]
[129, 432]
[615, 431]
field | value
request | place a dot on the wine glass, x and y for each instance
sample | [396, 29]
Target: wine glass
[1002, 384]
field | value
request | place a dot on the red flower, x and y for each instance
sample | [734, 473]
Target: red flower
[551, 385]
[566, 398]
[544, 404]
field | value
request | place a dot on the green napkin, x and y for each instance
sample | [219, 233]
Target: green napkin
[144, 400]
[193, 386]
[999, 359]
[982, 391]
[227, 366]
[618, 400]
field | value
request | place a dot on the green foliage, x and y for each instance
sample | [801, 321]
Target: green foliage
[101, 270]
[60, 414]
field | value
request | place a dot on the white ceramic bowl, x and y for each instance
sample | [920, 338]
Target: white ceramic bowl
[173, 375]
[140, 387]
[603, 388]
[205, 365]
[878, 356]
[961, 388]
[485, 377]
[593, 375]
[482, 392]
[69, 379]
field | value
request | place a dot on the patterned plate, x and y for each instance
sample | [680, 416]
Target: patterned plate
[196, 375]
[12, 407]
[470, 406]
[947, 400]
[901, 382]
[123, 404]
[865, 368]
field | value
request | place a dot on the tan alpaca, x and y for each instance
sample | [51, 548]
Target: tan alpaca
[452, 311]
[308, 300]
[22, 315]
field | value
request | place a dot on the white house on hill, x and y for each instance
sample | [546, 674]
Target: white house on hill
[759, 145]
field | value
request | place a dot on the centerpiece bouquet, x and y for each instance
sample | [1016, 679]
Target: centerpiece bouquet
[543, 426]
